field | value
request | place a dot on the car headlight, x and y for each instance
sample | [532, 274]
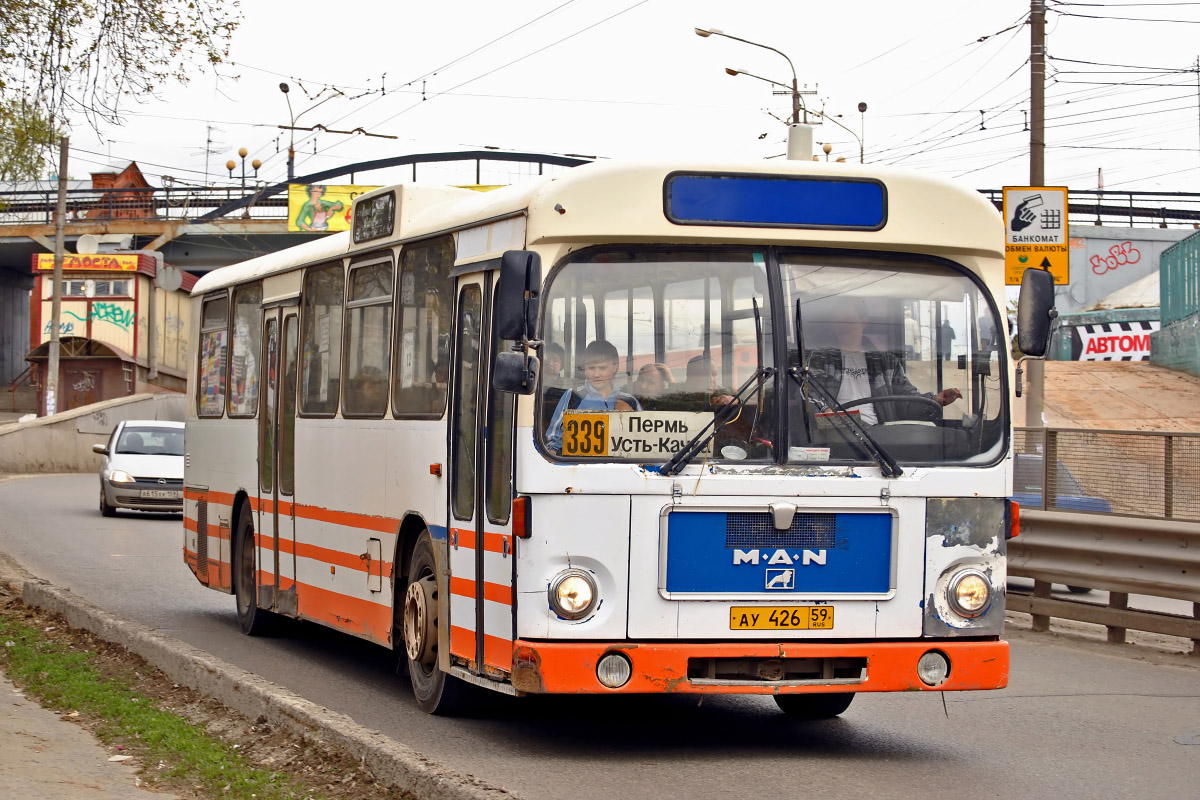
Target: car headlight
[969, 593]
[120, 476]
[573, 594]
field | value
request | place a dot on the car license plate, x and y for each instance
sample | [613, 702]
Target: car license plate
[162, 494]
[778, 618]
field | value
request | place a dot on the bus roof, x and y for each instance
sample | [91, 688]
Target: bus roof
[628, 202]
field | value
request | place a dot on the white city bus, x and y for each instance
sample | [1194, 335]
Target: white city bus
[433, 431]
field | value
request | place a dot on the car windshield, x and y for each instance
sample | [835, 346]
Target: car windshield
[645, 347]
[151, 441]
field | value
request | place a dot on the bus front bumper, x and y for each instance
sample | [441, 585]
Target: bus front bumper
[758, 668]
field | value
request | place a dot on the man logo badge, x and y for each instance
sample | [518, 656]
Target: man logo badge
[781, 579]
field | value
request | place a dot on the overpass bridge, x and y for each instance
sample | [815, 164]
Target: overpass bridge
[199, 229]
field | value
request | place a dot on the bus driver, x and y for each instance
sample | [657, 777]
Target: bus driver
[853, 370]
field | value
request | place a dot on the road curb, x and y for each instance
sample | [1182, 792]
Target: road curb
[390, 762]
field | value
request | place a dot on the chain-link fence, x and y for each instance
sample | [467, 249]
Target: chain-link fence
[1130, 473]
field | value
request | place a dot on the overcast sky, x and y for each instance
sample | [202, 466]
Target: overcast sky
[630, 79]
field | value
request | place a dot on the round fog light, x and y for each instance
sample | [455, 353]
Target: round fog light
[573, 594]
[933, 668]
[614, 670]
[969, 593]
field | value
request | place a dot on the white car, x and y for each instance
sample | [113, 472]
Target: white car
[142, 467]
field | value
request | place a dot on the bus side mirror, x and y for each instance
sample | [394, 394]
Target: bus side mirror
[517, 295]
[515, 372]
[1035, 312]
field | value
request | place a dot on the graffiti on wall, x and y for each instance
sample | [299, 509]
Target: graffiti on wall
[111, 312]
[1118, 256]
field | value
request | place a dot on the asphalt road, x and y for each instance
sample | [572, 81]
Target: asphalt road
[1078, 719]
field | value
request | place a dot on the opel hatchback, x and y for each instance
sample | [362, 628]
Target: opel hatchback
[142, 467]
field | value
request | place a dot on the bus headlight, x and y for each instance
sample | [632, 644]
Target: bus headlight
[969, 593]
[573, 594]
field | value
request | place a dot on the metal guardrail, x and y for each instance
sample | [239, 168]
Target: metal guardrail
[37, 207]
[1124, 208]
[1121, 555]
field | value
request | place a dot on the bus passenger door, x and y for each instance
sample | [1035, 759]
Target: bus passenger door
[276, 449]
[481, 540]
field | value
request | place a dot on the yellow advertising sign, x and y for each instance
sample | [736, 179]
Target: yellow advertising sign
[100, 262]
[1035, 232]
[321, 208]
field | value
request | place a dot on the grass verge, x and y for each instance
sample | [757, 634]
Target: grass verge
[92, 681]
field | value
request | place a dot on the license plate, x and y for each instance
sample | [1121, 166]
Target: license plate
[162, 494]
[779, 618]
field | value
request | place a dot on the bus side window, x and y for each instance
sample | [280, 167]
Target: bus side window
[247, 350]
[321, 341]
[423, 344]
[368, 339]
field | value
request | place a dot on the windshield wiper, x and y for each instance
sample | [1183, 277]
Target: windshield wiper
[723, 415]
[887, 464]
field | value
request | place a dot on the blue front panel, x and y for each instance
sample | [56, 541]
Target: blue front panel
[773, 201]
[721, 553]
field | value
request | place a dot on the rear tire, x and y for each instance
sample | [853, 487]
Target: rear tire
[418, 624]
[105, 509]
[254, 621]
[814, 706]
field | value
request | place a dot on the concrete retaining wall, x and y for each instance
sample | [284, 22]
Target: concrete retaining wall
[1178, 345]
[63, 442]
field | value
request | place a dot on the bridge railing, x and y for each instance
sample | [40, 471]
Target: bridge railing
[38, 206]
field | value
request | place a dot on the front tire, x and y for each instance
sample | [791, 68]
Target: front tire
[105, 509]
[814, 706]
[419, 622]
[254, 621]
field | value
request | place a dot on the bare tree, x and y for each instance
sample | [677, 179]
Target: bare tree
[62, 59]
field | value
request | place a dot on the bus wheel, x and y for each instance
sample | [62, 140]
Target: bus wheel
[253, 620]
[814, 706]
[435, 691]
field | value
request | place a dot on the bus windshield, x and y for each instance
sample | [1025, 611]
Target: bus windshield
[644, 348]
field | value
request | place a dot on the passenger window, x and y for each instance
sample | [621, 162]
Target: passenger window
[247, 343]
[210, 376]
[368, 340]
[419, 381]
[321, 341]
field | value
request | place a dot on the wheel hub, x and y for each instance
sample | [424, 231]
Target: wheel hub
[420, 620]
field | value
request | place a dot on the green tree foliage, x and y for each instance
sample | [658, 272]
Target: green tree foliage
[24, 135]
[62, 60]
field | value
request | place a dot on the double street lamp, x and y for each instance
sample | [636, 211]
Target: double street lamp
[799, 135]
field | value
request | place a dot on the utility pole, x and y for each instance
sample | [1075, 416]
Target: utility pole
[1034, 405]
[56, 304]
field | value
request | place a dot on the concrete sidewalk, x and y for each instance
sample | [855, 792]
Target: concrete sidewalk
[46, 756]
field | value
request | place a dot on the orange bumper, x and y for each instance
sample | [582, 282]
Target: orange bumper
[562, 667]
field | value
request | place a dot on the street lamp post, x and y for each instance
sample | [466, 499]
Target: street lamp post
[862, 107]
[799, 135]
[283, 87]
[230, 164]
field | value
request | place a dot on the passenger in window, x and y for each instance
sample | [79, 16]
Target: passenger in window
[600, 364]
[854, 369]
[553, 358]
[653, 381]
[700, 390]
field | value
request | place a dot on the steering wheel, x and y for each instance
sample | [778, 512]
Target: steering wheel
[896, 398]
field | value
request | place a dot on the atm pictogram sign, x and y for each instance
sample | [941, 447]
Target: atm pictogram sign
[1035, 232]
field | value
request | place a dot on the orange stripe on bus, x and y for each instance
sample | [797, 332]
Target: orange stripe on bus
[464, 537]
[462, 642]
[494, 542]
[496, 592]
[190, 524]
[497, 652]
[350, 614]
